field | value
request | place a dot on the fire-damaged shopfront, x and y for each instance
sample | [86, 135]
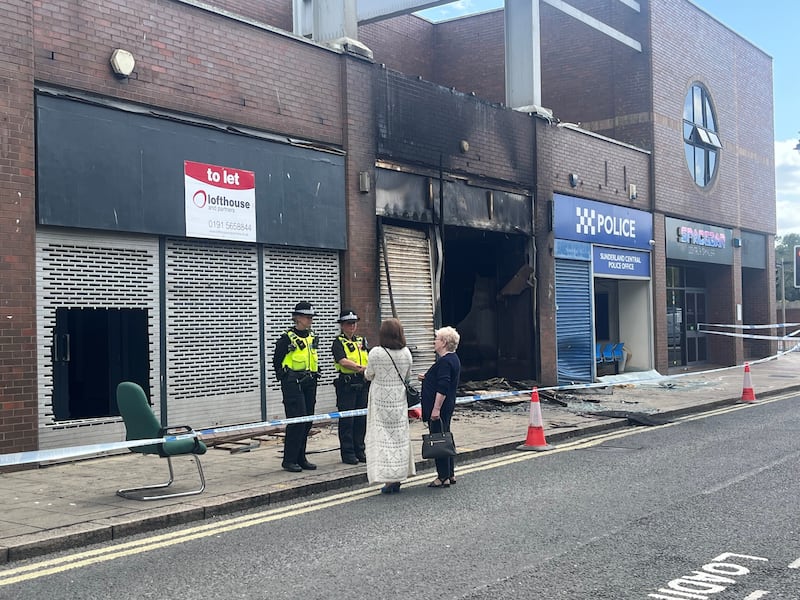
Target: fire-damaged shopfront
[452, 253]
[455, 224]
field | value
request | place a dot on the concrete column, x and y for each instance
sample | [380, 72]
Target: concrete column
[523, 55]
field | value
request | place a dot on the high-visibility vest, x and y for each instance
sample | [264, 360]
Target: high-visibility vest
[354, 350]
[302, 355]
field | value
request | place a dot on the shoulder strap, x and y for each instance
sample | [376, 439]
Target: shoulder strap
[395, 366]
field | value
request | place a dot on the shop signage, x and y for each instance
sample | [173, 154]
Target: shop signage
[687, 240]
[620, 263]
[600, 223]
[220, 202]
[572, 250]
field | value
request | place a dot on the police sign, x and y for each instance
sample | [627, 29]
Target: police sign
[601, 223]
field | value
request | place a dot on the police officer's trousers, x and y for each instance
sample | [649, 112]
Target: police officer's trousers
[299, 399]
[351, 396]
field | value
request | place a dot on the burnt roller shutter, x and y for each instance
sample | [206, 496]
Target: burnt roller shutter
[574, 322]
[408, 256]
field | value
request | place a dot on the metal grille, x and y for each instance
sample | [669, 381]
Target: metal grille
[78, 270]
[292, 275]
[409, 258]
[213, 363]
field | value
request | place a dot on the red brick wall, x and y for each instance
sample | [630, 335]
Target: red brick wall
[755, 309]
[192, 61]
[189, 61]
[470, 55]
[18, 398]
[604, 169]
[402, 44]
[743, 193]
[359, 265]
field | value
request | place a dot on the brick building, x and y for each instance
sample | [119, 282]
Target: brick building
[640, 205]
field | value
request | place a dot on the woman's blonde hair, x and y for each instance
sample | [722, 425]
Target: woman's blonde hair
[450, 337]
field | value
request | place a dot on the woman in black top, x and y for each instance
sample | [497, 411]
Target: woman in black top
[439, 387]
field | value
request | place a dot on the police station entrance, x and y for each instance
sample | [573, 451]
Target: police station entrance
[604, 321]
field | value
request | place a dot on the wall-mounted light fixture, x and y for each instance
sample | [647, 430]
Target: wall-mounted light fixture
[363, 182]
[632, 195]
[737, 242]
[464, 146]
[573, 179]
[122, 62]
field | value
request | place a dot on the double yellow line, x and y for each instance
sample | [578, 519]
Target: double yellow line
[100, 555]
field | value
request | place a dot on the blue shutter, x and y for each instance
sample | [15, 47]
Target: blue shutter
[574, 338]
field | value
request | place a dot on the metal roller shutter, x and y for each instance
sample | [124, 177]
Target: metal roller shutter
[212, 326]
[409, 260]
[574, 336]
[90, 270]
[292, 275]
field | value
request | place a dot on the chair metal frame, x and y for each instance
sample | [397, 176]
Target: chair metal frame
[135, 406]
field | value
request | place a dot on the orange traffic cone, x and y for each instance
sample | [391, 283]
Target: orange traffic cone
[535, 440]
[748, 395]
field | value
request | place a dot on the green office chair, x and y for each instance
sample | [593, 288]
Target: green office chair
[142, 424]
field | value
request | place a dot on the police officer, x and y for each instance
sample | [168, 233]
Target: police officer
[350, 356]
[295, 364]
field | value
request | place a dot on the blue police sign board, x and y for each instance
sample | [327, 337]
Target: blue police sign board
[620, 263]
[601, 223]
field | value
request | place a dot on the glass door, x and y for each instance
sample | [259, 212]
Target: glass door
[696, 350]
[675, 327]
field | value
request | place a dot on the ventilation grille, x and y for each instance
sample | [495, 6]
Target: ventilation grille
[408, 252]
[75, 270]
[213, 365]
[293, 275]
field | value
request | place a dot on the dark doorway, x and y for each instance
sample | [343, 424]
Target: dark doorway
[94, 349]
[486, 295]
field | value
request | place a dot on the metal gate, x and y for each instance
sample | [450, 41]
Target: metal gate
[408, 287]
[574, 328]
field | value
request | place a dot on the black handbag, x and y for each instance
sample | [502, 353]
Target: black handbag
[438, 445]
[412, 394]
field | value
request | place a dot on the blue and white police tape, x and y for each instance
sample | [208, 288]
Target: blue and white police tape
[60, 454]
[737, 326]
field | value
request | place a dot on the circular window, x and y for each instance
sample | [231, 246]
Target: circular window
[700, 138]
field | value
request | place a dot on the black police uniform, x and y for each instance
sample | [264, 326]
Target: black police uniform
[299, 389]
[351, 394]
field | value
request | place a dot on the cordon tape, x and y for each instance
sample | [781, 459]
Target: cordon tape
[59, 454]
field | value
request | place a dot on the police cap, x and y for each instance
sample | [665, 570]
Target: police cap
[304, 309]
[347, 315]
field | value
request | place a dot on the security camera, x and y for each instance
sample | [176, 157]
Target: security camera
[652, 242]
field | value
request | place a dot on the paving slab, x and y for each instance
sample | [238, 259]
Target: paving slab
[62, 506]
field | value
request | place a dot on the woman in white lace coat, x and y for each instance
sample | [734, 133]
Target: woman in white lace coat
[388, 444]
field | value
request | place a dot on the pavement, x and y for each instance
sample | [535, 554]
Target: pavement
[66, 505]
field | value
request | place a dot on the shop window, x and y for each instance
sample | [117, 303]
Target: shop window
[94, 349]
[695, 278]
[700, 137]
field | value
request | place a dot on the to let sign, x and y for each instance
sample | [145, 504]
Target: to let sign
[220, 202]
